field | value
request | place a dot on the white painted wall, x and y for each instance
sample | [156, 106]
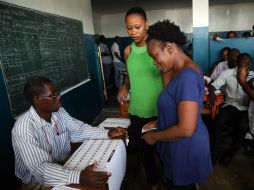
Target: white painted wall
[200, 18]
[113, 24]
[77, 9]
[236, 17]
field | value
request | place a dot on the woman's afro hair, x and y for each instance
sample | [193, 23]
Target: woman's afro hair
[166, 31]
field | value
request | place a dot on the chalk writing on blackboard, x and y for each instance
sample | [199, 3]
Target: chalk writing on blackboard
[37, 43]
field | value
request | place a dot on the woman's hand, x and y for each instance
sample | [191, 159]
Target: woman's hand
[149, 126]
[118, 133]
[122, 94]
[149, 137]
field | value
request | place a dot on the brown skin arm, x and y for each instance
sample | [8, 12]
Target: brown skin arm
[242, 73]
[188, 113]
[124, 89]
[117, 55]
[91, 178]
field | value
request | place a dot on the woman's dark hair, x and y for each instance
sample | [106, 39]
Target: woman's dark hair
[35, 87]
[166, 31]
[136, 10]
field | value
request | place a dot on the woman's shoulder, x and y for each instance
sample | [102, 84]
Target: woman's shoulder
[127, 52]
[188, 71]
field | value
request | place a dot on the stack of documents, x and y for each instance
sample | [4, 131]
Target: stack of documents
[115, 122]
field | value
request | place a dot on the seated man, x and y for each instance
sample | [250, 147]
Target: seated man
[41, 140]
[232, 114]
[229, 63]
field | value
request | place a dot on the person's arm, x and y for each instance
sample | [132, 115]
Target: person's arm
[214, 73]
[242, 74]
[117, 55]
[81, 131]
[115, 51]
[124, 89]
[39, 161]
[187, 112]
[217, 84]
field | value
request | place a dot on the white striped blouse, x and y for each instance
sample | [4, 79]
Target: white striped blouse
[40, 146]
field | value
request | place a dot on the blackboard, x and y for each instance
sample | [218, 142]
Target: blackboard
[38, 43]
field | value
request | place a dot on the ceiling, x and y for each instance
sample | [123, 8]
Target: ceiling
[117, 6]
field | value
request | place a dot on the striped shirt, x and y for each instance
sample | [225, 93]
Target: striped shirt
[40, 146]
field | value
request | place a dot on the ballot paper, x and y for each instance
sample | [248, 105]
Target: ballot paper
[146, 130]
[115, 122]
[109, 154]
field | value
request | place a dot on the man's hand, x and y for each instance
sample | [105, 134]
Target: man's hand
[91, 178]
[117, 133]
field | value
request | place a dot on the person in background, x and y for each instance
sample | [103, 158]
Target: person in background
[223, 58]
[117, 61]
[231, 34]
[245, 62]
[246, 35]
[144, 81]
[41, 140]
[106, 59]
[229, 63]
[252, 32]
[232, 115]
[181, 135]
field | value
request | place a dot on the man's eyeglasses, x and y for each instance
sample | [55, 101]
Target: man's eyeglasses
[52, 96]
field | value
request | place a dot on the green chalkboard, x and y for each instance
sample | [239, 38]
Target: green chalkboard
[38, 43]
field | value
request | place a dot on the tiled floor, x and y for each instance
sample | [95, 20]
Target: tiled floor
[239, 175]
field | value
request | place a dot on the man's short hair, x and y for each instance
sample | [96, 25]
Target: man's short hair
[34, 86]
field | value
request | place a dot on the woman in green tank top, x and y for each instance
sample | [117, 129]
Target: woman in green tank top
[145, 83]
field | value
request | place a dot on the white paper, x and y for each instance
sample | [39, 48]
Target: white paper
[146, 130]
[64, 188]
[115, 122]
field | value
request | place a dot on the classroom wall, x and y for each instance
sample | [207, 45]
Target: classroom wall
[237, 17]
[113, 24]
[221, 18]
[84, 102]
[77, 9]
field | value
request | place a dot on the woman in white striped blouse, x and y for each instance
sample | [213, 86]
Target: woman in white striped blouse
[41, 140]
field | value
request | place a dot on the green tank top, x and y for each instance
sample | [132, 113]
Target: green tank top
[146, 82]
